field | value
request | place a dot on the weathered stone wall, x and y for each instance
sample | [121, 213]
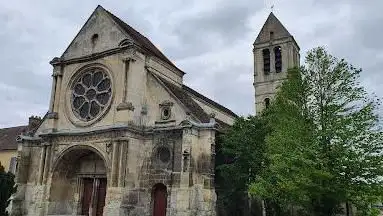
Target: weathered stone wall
[133, 163]
[135, 148]
[266, 85]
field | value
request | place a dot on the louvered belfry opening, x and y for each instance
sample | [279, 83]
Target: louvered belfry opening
[278, 59]
[266, 61]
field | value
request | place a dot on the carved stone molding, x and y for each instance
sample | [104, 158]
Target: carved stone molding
[108, 147]
[125, 106]
[52, 115]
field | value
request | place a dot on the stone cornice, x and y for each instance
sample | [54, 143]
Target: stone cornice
[275, 42]
[60, 61]
[127, 127]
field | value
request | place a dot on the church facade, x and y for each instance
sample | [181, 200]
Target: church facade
[124, 135]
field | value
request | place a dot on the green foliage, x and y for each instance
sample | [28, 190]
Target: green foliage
[346, 130]
[240, 156]
[325, 148]
[7, 188]
[290, 148]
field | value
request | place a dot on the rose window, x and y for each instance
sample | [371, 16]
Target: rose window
[91, 94]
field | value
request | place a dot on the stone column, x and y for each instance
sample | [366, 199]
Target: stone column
[41, 164]
[122, 163]
[126, 73]
[56, 70]
[58, 75]
[53, 92]
[47, 163]
[16, 206]
[272, 59]
[113, 175]
[125, 105]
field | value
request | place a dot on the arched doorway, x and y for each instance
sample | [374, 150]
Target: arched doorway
[159, 196]
[79, 183]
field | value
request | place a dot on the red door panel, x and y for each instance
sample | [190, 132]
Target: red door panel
[159, 208]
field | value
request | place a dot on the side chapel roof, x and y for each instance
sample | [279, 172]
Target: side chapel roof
[182, 94]
[8, 137]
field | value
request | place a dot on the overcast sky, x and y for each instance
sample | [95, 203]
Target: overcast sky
[211, 40]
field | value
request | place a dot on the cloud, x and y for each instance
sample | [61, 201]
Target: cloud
[210, 40]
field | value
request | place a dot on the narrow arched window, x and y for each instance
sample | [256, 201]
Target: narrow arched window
[278, 59]
[266, 61]
[267, 102]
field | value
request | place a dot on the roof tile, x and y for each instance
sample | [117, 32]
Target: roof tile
[8, 137]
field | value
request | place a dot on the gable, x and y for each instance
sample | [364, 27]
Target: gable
[111, 31]
[140, 39]
[99, 33]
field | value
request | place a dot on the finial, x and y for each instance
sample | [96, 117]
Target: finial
[272, 8]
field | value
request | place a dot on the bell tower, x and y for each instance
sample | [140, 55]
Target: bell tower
[275, 50]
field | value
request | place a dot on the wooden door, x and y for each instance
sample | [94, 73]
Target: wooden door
[159, 208]
[101, 197]
[86, 196]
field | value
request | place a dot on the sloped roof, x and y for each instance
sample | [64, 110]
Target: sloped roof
[182, 93]
[208, 100]
[272, 24]
[140, 39]
[186, 100]
[8, 137]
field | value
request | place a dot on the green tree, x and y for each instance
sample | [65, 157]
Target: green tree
[346, 129]
[240, 156]
[7, 188]
[291, 152]
[325, 148]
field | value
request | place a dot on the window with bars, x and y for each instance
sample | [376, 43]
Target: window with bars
[266, 61]
[278, 59]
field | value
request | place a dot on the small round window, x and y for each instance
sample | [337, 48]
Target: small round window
[91, 93]
[165, 113]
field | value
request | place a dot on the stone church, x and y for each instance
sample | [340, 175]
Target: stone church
[124, 135]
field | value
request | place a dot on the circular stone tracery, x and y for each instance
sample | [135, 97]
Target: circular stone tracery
[91, 93]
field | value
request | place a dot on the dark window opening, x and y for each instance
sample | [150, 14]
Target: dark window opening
[94, 39]
[267, 102]
[165, 115]
[271, 35]
[278, 59]
[266, 61]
